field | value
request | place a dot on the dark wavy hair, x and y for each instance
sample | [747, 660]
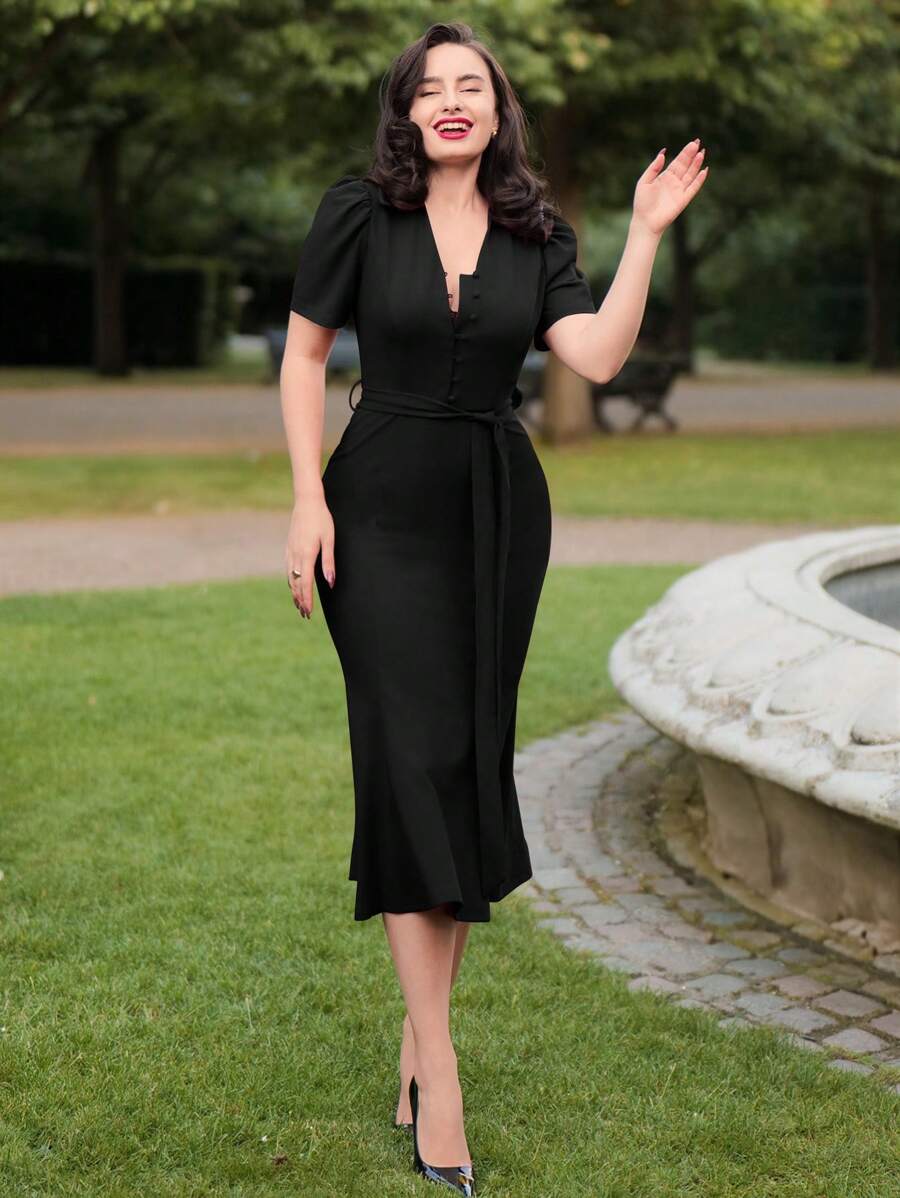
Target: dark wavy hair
[518, 196]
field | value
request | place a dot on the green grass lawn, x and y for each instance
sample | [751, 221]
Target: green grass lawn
[844, 477]
[188, 1007]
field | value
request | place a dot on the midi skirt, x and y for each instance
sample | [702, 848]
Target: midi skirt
[437, 818]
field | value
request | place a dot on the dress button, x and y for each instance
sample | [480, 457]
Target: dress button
[476, 295]
[473, 317]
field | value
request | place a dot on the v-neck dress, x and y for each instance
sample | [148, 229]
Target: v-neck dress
[442, 538]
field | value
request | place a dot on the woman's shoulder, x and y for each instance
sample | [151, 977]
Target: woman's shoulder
[350, 193]
[560, 250]
[561, 232]
[326, 281]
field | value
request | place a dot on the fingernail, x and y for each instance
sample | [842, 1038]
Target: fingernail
[330, 577]
[662, 151]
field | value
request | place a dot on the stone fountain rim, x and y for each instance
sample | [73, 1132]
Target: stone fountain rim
[781, 579]
[821, 566]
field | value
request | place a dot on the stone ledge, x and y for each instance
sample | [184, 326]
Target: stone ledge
[787, 697]
[748, 660]
[608, 887]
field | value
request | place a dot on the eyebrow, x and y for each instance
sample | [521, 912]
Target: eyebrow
[459, 78]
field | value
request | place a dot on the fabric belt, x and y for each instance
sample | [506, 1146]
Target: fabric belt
[491, 506]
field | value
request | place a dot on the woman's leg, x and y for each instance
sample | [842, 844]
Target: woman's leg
[408, 1043]
[423, 946]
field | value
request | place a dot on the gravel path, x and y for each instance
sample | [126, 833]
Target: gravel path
[137, 551]
[153, 550]
[136, 418]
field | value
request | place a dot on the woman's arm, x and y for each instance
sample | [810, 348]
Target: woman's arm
[598, 346]
[302, 384]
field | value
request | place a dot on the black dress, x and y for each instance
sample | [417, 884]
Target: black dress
[442, 537]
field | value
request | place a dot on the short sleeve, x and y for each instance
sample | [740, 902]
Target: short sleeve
[566, 289]
[329, 268]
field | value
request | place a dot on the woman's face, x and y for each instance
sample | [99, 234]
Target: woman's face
[456, 84]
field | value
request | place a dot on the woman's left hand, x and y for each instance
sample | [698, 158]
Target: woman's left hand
[663, 191]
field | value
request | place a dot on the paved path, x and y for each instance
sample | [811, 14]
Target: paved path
[619, 874]
[133, 418]
[135, 551]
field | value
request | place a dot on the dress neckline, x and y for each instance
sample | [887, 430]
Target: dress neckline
[454, 316]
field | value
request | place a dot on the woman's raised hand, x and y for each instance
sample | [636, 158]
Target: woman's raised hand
[664, 191]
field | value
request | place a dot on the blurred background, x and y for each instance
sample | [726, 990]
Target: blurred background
[160, 163]
[188, 1007]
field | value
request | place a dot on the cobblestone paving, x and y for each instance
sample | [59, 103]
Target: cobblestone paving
[613, 877]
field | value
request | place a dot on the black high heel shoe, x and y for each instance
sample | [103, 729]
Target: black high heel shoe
[457, 1177]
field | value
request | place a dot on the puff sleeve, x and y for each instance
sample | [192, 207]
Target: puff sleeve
[331, 257]
[566, 289]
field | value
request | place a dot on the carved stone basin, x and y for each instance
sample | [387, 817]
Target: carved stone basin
[780, 668]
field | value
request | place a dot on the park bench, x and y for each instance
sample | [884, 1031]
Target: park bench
[344, 354]
[275, 340]
[646, 382]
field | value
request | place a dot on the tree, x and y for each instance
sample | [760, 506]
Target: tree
[784, 93]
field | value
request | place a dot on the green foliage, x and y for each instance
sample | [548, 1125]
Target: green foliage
[233, 116]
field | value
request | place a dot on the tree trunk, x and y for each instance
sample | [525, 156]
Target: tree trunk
[682, 331]
[881, 271]
[567, 406]
[109, 236]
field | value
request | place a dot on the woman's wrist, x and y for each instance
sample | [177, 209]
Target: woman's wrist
[638, 228]
[308, 492]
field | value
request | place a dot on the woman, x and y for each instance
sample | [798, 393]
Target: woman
[428, 534]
